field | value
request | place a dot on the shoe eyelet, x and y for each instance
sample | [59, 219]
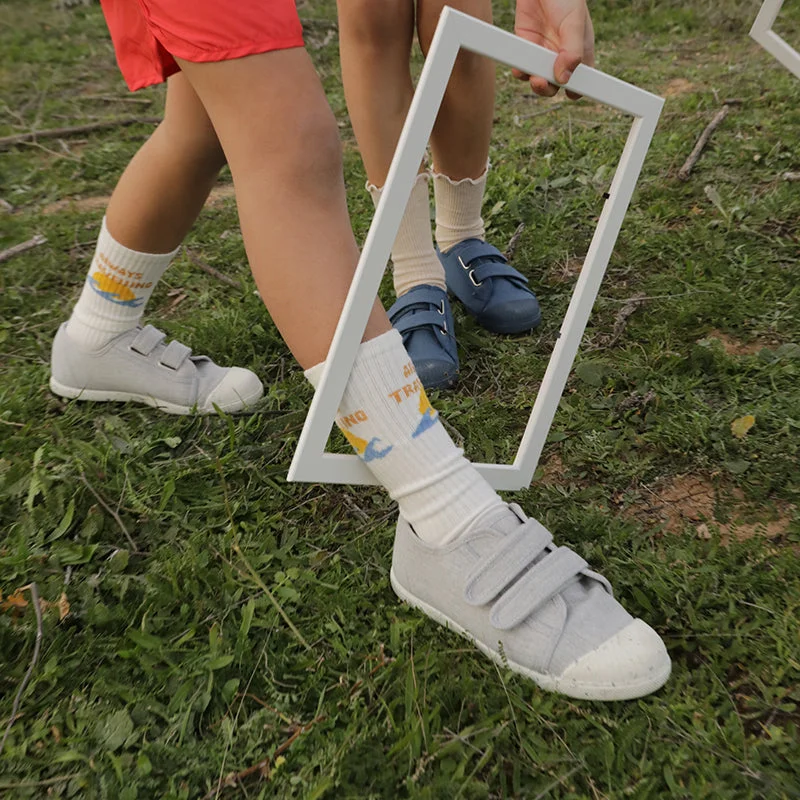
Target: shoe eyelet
[443, 329]
[472, 278]
[440, 309]
[461, 261]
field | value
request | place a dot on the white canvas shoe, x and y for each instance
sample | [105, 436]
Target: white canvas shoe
[535, 608]
[139, 366]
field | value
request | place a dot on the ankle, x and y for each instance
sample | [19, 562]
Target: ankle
[458, 209]
[118, 286]
[414, 258]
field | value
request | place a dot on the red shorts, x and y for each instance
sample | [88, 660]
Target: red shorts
[148, 33]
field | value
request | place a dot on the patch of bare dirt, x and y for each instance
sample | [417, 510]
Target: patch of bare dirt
[677, 87]
[566, 270]
[693, 501]
[733, 347]
[553, 471]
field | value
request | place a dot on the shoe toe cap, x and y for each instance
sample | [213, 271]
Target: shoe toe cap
[436, 373]
[512, 315]
[632, 663]
[238, 390]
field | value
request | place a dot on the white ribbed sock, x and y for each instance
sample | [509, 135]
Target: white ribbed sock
[388, 420]
[458, 209]
[117, 288]
[413, 256]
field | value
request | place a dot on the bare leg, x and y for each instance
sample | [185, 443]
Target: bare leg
[375, 46]
[463, 129]
[166, 184]
[282, 145]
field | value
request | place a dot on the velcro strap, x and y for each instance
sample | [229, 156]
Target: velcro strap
[174, 355]
[534, 589]
[476, 249]
[147, 340]
[419, 297]
[517, 552]
[494, 269]
[421, 319]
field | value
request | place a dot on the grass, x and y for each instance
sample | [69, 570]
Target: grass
[175, 541]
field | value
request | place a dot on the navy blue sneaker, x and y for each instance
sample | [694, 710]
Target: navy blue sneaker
[424, 319]
[498, 296]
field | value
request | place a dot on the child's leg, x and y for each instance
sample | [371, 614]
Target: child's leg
[463, 128]
[375, 46]
[151, 210]
[477, 273]
[565, 631]
[282, 146]
[163, 189]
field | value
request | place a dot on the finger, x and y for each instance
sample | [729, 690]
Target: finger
[542, 87]
[519, 75]
[588, 52]
[572, 34]
[588, 43]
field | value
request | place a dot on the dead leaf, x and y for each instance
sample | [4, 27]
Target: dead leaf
[14, 601]
[63, 606]
[740, 426]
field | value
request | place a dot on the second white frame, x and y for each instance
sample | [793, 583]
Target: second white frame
[776, 46]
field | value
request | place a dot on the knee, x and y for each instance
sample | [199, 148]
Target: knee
[471, 67]
[374, 25]
[303, 155]
[314, 154]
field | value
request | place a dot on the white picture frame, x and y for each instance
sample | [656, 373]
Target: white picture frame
[456, 30]
[776, 46]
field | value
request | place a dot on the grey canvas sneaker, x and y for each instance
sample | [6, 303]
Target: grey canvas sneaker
[531, 606]
[139, 366]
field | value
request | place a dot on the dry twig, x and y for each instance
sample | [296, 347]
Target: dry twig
[540, 111]
[6, 206]
[36, 648]
[22, 247]
[114, 98]
[213, 271]
[686, 169]
[57, 133]
[514, 241]
[626, 311]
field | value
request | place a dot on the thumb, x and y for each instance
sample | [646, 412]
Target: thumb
[572, 36]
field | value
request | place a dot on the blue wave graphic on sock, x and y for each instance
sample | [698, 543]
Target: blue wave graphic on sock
[114, 297]
[371, 452]
[429, 419]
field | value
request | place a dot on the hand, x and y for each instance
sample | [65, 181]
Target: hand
[563, 26]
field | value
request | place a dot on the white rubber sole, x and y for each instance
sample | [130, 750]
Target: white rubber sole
[580, 690]
[105, 395]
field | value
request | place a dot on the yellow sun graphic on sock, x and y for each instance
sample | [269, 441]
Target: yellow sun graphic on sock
[424, 404]
[109, 287]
